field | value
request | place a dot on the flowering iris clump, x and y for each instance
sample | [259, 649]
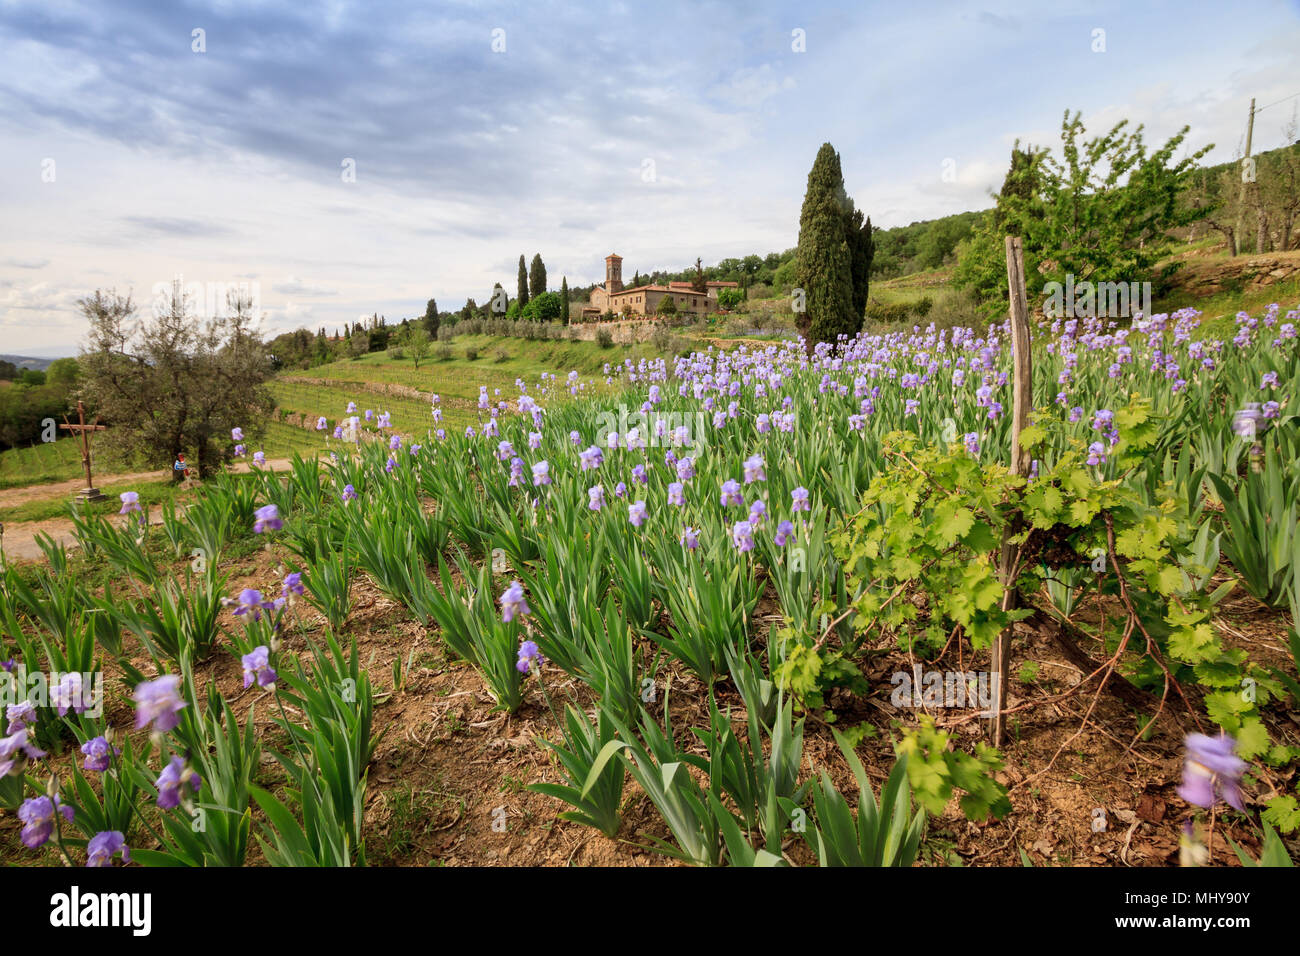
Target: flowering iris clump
[685, 469]
[1212, 772]
[130, 502]
[592, 458]
[513, 602]
[267, 518]
[158, 702]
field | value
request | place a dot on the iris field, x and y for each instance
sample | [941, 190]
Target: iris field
[750, 538]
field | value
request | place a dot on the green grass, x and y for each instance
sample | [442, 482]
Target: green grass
[500, 362]
[61, 460]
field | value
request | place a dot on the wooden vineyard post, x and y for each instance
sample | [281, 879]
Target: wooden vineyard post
[90, 493]
[1022, 401]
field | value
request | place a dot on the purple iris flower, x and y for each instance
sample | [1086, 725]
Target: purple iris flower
[391, 465]
[513, 602]
[757, 512]
[292, 584]
[1268, 381]
[596, 497]
[742, 536]
[783, 532]
[237, 434]
[620, 489]
[690, 538]
[1076, 414]
[321, 423]
[530, 656]
[251, 603]
[1212, 772]
[259, 458]
[686, 469]
[20, 716]
[542, 473]
[174, 776]
[349, 493]
[731, 493]
[159, 702]
[799, 500]
[1102, 420]
[575, 438]
[592, 458]
[754, 469]
[104, 846]
[15, 751]
[257, 667]
[130, 501]
[675, 495]
[394, 443]
[972, 442]
[72, 694]
[37, 818]
[637, 514]
[1096, 453]
[639, 475]
[99, 753]
[239, 451]
[268, 519]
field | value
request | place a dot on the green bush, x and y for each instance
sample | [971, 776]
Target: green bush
[471, 353]
[604, 338]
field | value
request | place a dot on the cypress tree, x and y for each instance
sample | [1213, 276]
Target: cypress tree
[834, 255]
[536, 277]
[564, 299]
[522, 293]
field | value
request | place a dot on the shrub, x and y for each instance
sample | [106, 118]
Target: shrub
[444, 353]
[471, 353]
[604, 338]
[666, 306]
[501, 355]
[396, 354]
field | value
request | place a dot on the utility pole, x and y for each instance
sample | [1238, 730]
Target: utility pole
[1241, 197]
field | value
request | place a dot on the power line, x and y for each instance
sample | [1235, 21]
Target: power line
[1282, 100]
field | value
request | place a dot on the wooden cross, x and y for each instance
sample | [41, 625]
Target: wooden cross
[81, 428]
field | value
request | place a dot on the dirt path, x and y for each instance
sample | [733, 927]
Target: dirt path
[10, 497]
[19, 539]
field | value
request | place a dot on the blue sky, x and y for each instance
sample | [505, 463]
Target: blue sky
[663, 131]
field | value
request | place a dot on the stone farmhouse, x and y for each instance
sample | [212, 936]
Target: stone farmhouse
[644, 300]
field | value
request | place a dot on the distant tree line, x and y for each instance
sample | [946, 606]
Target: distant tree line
[32, 397]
